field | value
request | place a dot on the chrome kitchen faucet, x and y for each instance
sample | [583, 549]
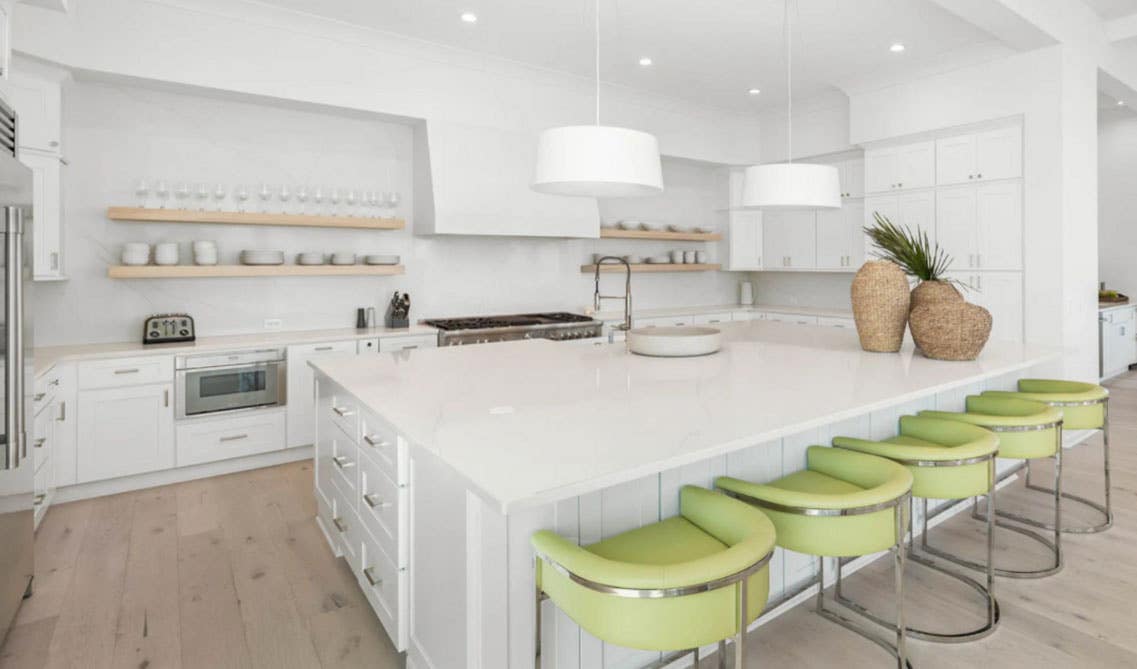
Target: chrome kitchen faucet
[626, 297]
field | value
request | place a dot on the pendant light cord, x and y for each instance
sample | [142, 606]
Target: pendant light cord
[789, 86]
[597, 35]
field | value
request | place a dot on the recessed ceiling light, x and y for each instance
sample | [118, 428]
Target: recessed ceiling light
[469, 17]
[645, 61]
[896, 48]
[1121, 103]
[754, 91]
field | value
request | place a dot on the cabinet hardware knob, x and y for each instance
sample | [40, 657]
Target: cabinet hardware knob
[970, 176]
[133, 370]
[322, 348]
[236, 437]
[342, 411]
[377, 442]
[38, 396]
[53, 143]
[340, 525]
[166, 398]
[979, 176]
[342, 462]
[374, 502]
[369, 573]
[38, 443]
[39, 499]
[62, 412]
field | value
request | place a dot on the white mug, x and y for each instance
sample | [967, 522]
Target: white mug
[166, 253]
[689, 257]
[676, 257]
[701, 257]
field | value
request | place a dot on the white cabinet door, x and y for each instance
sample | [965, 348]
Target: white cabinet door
[999, 221]
[888, 207]
[854, 215]
[47, 250]
[918, 211]
[388, 344]
[38, 103]
[745, 239]
[127, 430]
[880, 170]
[916, 165]
[853, 178]
[1001, 293]
[956, 226]
[301, 422]
[999, 154]
[797, 239]
[833, 238]
[955, 160]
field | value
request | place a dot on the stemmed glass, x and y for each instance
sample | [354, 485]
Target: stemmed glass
[219, 194]
[392, 199]
[318, 199]
[334, 201]
[302, 198]
[350, 202]
[141, 191]
[265, 194]
[241, 194]
[182, 193]
[162, 190]
[285, 196]
[202, 196]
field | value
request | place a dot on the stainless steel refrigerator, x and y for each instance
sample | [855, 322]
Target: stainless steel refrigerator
[17, 468]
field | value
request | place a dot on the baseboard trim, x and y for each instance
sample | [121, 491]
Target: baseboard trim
[73, 493]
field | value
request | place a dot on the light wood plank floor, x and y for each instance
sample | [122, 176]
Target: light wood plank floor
[233, 572]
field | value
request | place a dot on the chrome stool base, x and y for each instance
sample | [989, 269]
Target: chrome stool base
[1053, 546]
[897, 649]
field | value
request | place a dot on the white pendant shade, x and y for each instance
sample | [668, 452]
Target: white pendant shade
[791, 186]
[598, 161]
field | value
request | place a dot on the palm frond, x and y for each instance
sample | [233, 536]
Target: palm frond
[914, 252]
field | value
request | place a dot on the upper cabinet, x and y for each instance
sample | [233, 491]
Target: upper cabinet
[851, 174]
[745, 241]
[981, 156]
[789, 240]
[38, 103]
[902, 167]
[475, 180]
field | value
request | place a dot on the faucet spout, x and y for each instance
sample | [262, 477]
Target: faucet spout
[597, 298]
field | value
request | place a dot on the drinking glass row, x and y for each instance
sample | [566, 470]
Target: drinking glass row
[316, 200]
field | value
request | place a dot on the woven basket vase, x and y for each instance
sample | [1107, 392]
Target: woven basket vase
[929, 292]
[880, 305]
[950, 330]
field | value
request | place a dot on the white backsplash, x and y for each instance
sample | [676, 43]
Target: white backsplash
[116, 134]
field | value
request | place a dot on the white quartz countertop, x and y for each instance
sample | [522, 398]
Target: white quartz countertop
[533, 422]
[618, 315]
[48, 356]
[1104, 306]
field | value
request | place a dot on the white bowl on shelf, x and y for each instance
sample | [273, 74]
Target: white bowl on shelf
[647, 226]
[135, 258]
[166, 253]
[677, 228]
[262, 257]
[205, 259]
[381, 259]
[628, 224]
[343, 258]
[311, 258]
[663, 259]
[634, 260]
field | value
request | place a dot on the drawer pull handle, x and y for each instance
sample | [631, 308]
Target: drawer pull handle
[376, 441]
[342, 462]
[62, 412]
[236, 437]
[369, 574]
[38, 396]
[39, 499]
[53, 382]
[38, 443]
[340, 525]
[342, 411]
[322, 348]
[134, 370]
[407, 348]
[374, 502]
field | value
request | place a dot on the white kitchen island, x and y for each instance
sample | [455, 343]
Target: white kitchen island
[466, 451]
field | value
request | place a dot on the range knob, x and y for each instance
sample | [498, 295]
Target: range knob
[183, 332]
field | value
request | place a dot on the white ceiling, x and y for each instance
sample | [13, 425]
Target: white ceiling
[711, 51]
[1112, 9]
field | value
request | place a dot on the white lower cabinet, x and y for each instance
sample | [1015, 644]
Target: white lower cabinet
[406, 343]
[210, 439]
[125, 430]
[712, 319]
[301, 386]
[836, 322]
[1118, 340]
[362, 503]
[797, 319]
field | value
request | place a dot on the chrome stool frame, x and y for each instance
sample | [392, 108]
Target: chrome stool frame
[740, 578]
[1105, 509]
[899, 650]
[1055, 545]
[988, 591]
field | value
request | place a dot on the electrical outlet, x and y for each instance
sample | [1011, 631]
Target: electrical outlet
[273, 323]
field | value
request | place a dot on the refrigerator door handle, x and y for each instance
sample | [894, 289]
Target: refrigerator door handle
[13, 371]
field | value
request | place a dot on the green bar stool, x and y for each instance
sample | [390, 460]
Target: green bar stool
[843, 504]
[1027, 431]
[948, 460]
[1085, 406]
[689, 581]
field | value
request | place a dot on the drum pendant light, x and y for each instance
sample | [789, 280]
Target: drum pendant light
[790, 185]
[597, 160]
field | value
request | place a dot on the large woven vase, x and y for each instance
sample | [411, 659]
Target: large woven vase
[954, 330]
[881, 299]
[929, 292]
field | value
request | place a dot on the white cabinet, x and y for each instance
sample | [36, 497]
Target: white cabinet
[982, 156]
[38, 101]
[981, 226]
[246, 433]
[301, 421]
[125, 430]
[836, 322]
[789, 239]
[915, 211]
[900, 167]
[712, 319]
[797, 319]
[47, 226]
[406, 343]
[745, 241]
[851, 174]
[1118, 332]
[840, 237]
[1001, 293]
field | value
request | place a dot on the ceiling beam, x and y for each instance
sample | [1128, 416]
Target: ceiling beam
[1121, 29]
[1003, 21]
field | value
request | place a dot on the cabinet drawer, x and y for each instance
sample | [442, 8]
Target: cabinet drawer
[126, 372]
[325, 511]
[836, 322]
[42, 488]
[385, 586]
[367, 345]
[344, 410]
[47, 387]
[347, 531]
[345, 468]
[208, 440]
[380, 443]
[41, 438]
[387, 344]
[381, 507]
[711, 319]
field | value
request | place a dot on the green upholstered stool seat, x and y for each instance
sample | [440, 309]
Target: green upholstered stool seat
[948, 459]
[674, 585]
[843, 504]
[1084, 406]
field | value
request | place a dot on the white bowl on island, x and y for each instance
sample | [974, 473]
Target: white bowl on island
[674, 342]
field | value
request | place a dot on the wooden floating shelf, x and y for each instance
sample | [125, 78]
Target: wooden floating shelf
[650, 267]
[661, 235]
[150, 215]
[214, 271]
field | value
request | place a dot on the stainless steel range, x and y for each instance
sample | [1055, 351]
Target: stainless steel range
[558, 325]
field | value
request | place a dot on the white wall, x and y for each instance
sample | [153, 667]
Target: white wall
[823, 290]
[1117, 210]
[117, 133]
[820, 127]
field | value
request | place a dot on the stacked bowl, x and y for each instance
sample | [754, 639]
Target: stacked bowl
[204, 253]
[135, 253]
[262, 257]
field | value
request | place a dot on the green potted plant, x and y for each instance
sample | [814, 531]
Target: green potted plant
[918, 257]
